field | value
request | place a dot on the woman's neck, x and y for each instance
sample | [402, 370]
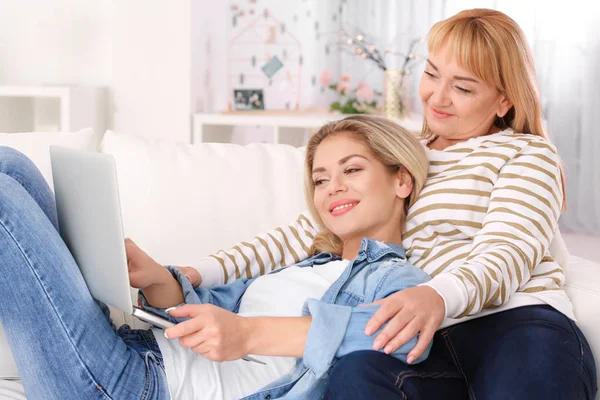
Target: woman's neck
[441, 143]
[352, 245]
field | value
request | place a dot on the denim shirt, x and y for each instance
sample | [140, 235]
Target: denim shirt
[338, 324]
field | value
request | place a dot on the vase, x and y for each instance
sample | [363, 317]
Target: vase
[396, 94]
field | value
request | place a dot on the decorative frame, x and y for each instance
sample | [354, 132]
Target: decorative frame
[277, 70]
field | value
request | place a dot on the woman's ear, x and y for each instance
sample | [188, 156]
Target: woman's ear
[504, 106]
[404, 185]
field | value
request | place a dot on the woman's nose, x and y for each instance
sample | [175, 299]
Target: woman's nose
[336, 185]
[440, 96]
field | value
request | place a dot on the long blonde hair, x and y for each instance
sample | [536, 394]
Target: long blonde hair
[391, 144]
[492, 46]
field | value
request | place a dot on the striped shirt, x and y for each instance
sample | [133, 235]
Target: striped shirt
[481, 228]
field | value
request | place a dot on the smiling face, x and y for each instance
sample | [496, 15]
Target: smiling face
[355, 194]
[458, 105]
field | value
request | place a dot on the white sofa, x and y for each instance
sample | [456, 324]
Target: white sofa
[182, 202]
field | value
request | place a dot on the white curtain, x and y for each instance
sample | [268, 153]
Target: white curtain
[565, 38]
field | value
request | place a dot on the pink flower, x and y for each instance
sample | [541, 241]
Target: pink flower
[346, 78]
[360, 85]
[365, 93]
[325, 77]
[342, 88]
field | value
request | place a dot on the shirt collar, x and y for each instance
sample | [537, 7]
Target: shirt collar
[370, 249]
[374, 250]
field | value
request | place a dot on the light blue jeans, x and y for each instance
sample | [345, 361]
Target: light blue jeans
[63, 341]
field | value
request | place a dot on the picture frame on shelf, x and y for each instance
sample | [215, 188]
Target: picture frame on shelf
[248, 99]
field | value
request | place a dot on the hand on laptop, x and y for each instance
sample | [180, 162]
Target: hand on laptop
[192, 275]
[158, 285]
[143, 270]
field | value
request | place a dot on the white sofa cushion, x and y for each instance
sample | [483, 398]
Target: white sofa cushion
[183, 202]
[35, 145]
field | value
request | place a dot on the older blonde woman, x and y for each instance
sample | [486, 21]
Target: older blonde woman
[481, 227]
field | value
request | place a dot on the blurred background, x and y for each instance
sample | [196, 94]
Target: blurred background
[146, 67]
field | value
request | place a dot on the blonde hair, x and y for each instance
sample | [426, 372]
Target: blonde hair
[492, 46]
[391, 144]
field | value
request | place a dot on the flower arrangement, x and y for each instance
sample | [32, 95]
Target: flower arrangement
[358, 100]
[363, 99]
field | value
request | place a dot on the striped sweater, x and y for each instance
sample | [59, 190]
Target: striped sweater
[481, 228]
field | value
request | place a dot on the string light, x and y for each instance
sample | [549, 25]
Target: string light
[349, 41]
[359, 37]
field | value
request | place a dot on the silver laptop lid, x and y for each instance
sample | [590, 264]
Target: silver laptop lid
[89, 217]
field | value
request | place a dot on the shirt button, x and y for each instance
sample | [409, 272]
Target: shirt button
[268, 396]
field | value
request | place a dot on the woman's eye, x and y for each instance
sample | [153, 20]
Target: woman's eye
[351, 170]
[463, 90]
[429, 74]
[318, 182]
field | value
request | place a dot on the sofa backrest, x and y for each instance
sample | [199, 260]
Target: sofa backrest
[181, 202]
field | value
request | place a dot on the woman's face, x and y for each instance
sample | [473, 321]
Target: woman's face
[457, 105]
[356, 195]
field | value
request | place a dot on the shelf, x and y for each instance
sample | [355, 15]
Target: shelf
[52, 108]
[292, 128]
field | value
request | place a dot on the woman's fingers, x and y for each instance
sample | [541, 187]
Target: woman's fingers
[425, 337]
[402, 337]
[395, 325]
[191, 325]
[388, 309]
[192, 340]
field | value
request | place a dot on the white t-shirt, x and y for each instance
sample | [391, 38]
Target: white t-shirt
[191, 376]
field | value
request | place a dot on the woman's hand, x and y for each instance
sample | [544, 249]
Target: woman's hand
[213, 332]
[419, 309]
[143, 270]
[192, 275]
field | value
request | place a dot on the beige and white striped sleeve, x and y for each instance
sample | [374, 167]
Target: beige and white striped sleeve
[284, 245]
[521, 219]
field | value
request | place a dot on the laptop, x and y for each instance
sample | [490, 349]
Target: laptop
[89, 218]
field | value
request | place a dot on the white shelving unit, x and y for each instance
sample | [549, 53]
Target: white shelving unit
[293, 129]
[52, 108]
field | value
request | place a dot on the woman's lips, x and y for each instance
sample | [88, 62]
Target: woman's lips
[439, 114]
[343, 208]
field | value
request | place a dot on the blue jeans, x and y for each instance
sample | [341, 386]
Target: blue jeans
[63, 341]
[531, 352]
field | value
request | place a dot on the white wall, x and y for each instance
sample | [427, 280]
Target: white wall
[209, 52]
[58, 42]
[139, 49]
[151, 68]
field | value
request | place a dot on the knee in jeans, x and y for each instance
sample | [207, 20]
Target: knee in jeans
[351, 364]
[15, 164]
[357, 367]
[12, 155]
[364, 375]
